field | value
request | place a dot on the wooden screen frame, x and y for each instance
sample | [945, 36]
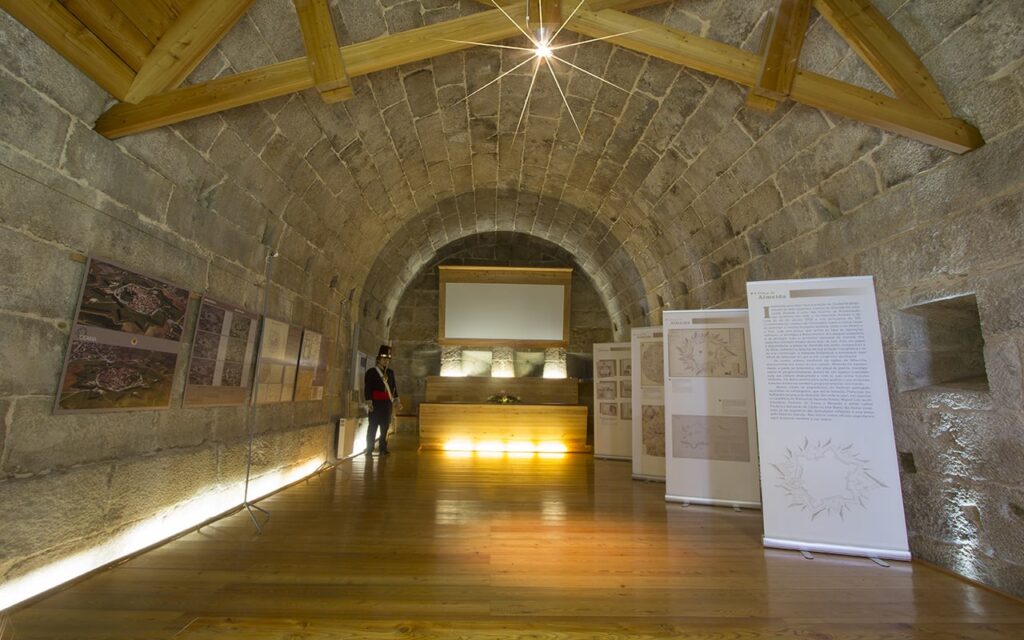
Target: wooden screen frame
[561, 276]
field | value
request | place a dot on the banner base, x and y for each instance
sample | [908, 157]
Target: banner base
[640, 476]
[712, 502]
[838, 549]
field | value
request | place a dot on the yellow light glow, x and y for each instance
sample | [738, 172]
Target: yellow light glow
[542, 50]
[458, 453]
[490, 445]
[503, 370]
[520, 447]
[452, 371]
[165, 525]
[458, 445]
[552, 447]
[516, 448]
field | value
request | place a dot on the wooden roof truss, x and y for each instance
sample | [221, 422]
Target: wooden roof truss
[140, 51]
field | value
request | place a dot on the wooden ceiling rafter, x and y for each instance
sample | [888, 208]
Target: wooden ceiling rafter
[150, 18]
[882, 47]
[918, 111]
[185, 44]
[322, 50]
[821, 92]
[784, 40]
[114, 28]
[294, 75]
[59, 28]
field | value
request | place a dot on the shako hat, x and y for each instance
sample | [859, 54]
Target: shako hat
[384, 351]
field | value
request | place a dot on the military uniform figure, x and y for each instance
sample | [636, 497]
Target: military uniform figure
[381, 395]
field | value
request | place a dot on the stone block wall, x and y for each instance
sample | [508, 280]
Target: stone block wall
[415, 326]
[202, 206]
[675, 196]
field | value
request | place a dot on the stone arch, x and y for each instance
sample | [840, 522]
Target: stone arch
[600, 254]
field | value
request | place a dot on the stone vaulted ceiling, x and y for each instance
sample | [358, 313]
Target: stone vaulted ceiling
[663, 200]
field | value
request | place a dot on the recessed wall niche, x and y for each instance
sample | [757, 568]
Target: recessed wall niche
[939, 344]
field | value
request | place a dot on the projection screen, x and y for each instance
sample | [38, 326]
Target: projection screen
[518, 306]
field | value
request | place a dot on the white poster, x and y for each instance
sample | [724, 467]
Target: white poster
[613, 402]
[648, 395]
[828, 457]
[710, 423]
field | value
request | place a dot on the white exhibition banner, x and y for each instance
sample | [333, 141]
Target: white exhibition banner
[710, 421]
[613, 403]
[648, 404]
[829, 470]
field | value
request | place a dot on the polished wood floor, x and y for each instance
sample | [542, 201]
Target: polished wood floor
[424, 545]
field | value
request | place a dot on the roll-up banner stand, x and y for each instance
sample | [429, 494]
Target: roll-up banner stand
[828, 456]
[710, 422]
[613, 403]
[648, 404]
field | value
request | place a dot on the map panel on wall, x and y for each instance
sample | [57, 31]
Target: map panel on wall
[312, 367]
[707, 353]
[223, 350]
[123, 350]
[711, 439]
[612, 428]
[278, 362]
[646, 391]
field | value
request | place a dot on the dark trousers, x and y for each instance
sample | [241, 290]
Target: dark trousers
[380, 417]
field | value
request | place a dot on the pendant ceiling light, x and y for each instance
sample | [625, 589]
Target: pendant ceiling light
[542, 52]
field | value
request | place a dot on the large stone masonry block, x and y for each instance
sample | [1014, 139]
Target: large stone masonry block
[838, 148]
[296, 122]
[39, 442]
[103, 165]
[37, 278]
[235, 158]
[143, 487]
[30, 123]
[51, 512]
[169, 155]
[1000, 302]
[967, 180]
[26, 56]
[31, 355]
[1004, 370]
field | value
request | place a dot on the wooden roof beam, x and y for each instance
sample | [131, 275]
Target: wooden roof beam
[886, 51]
[321, 40]
[737, 65]
[280, 79]
[114, 28]
[184, 45]
[781, 54]
[59, 28]
[361, 58]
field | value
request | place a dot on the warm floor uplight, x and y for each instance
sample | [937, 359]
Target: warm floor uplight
[172, 521]
[515, 448]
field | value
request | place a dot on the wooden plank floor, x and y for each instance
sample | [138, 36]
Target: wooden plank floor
[424, 545]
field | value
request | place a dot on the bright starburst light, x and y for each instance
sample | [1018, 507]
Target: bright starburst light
[543, 52]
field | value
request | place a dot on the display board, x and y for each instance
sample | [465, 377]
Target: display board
[280, 344]
[123, 350]
[711, 426]
[613, 400]
[648, 391]
[312, 374]
[223, 352]
[829, 469]
[504, 306]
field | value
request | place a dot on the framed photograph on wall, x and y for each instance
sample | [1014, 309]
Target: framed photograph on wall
[221, 368]
[124, 345]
